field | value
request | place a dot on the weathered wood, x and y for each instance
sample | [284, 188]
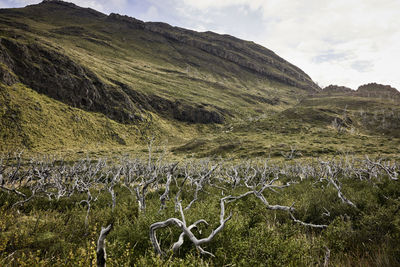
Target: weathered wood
[101, 246]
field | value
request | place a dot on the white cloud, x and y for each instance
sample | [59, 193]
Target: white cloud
[151, 14]
[18, 3]
[102, 5]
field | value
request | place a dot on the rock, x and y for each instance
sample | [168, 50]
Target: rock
[185, 112]
[55, 75]
[336, 89]
[246, 54]
[377, 91]
[129, 21]
[7, 77]
[51, 73]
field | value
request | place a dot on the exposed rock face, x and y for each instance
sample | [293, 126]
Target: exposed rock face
[246, 54]
[372, 90]
[51, 73]
[185, 112]
[131, 22]
[377, 91]
[6, 75]
[336, 89]
[175, 109]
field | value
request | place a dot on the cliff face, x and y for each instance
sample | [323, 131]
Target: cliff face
[246, 54]
[51, 73]
[55, 75]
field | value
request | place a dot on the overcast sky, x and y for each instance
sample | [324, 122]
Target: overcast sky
[344, 42]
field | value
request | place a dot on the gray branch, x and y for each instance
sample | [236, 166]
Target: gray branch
[101, 246]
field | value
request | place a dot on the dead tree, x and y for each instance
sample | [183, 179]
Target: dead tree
[272, 186]
[186, 230]
[331, 176]
[165, 196]
[203, 177]
[9, 174]
[327, 256]
[110, 183]
[291, 154]
[101, 246]
[390, 169]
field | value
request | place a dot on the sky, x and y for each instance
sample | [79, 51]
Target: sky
[342, 42]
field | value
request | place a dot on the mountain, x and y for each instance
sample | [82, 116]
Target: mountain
[129, 70]
[119, 65]
[74, 78]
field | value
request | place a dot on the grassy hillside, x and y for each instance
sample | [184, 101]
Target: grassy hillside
[200, 94]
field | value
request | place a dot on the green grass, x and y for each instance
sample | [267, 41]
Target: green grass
[41, 124]
[53, 232]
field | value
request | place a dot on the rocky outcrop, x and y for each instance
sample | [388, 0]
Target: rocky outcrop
[185, 112]
[377, 91]
[129, 21]
[57, 76]
[51, 73]
[371, 90]
[336, 89]
[246, 54]
[6, 76]
[175, 109]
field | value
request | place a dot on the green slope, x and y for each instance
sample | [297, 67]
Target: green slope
[38, 123]
[205, 93]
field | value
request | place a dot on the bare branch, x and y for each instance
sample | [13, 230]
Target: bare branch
[101, 246]
[307, 224]
[186, 231]
[327, 256]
